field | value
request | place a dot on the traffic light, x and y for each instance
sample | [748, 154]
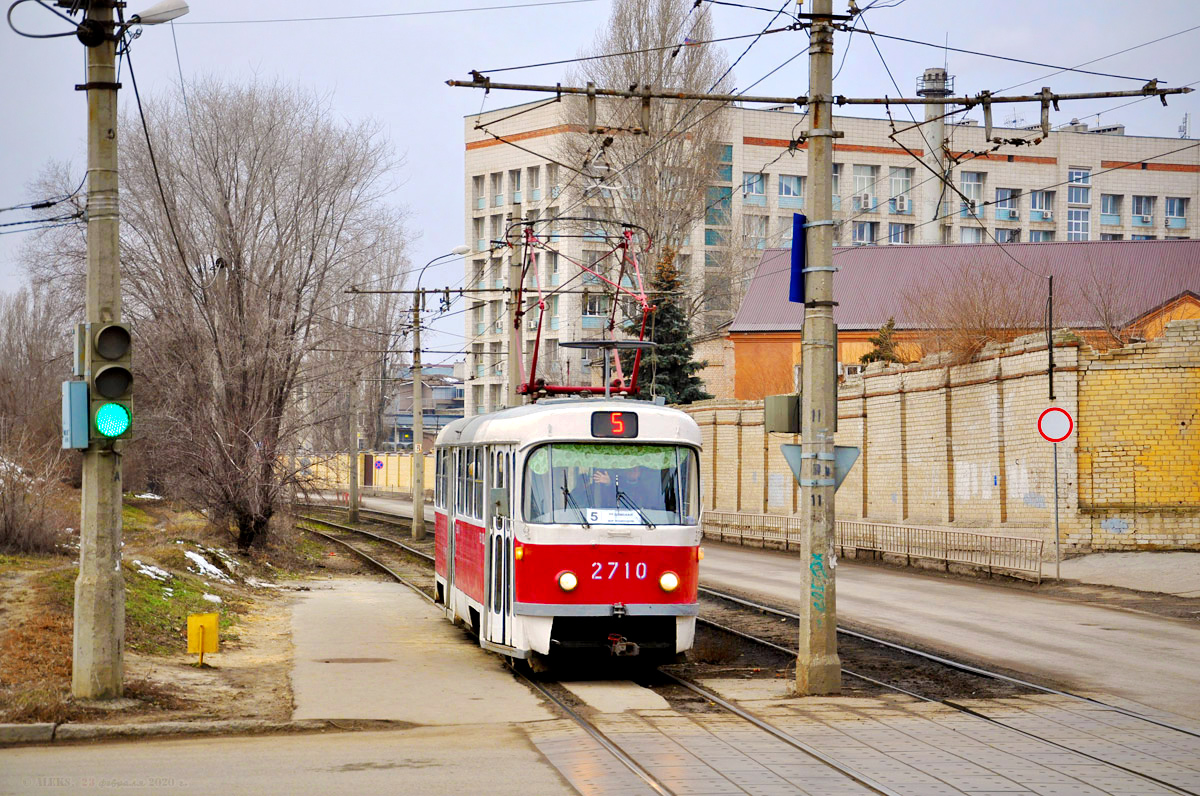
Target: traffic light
[109, 379]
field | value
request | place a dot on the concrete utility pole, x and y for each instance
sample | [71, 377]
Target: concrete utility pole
[352, 506]
[818, 670]
[98, 665]
[418, 426]
[515, 262]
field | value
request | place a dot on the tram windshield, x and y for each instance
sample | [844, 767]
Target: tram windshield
[612, 484]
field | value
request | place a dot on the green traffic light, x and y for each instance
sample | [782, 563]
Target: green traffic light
[112, 420]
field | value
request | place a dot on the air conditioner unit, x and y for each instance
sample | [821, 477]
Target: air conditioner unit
[532, 324]
[901, 203]
[864, 200]
[1047, 215]
[972, 208]
[1014, 215]
[554, 192]
[1145, 219]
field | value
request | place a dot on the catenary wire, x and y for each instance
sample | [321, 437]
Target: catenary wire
[515, 6]
[1003, 57]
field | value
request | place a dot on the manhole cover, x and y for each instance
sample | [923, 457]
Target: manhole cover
[354, 660]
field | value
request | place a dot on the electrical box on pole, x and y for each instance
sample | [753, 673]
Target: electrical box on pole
[109, 378]
[74, 415]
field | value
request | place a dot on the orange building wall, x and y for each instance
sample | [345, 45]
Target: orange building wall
[765, 363]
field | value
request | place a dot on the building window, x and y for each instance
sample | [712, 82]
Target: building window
[1111, 236]
[791, 185]
[1110, 204]
[755, 228]
[970, 235]
[1008, 235]
[900, 233]
[835, 186]
[1078, 223]
[1079, 191]
[480, 240]
[1141, 237]
[901, 185]
[1041, 235]
[784, 233]
[1176, 207]
[972, 189]
[1041, 200]
[865, 178]
[719, 202]
[864, 233]
[754, 184]
[497, 189]
[725, 167]
[477, 188]
[595, 304]
[1006, 204]
[1143, 206]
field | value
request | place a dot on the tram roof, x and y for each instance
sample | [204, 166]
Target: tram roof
[552, 419]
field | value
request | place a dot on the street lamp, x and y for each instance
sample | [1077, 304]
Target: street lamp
[418, 426]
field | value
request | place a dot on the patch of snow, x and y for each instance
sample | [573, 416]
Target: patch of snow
[221, 554]
[261, 584]
[148, 496]
[151, 571]
[168, 591]
[212, 598]
[204, 568]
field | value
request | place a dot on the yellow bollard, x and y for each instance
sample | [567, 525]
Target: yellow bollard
[202, 634]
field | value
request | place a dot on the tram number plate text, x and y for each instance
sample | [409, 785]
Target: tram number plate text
[614, 570]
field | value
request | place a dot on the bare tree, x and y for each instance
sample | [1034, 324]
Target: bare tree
[32, 513]
[658, 178]
[244, 333]
[961, 311]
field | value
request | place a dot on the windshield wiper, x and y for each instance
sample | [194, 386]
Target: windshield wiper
[570, 501]
[621, 496]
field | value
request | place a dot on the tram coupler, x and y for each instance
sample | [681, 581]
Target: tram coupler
[621, 646]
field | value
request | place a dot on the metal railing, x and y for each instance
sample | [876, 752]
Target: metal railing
[1017, 555]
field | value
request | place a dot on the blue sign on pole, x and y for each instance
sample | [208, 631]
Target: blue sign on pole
[796, 287]
[379, 464]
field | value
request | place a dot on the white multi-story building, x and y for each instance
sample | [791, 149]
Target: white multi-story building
[1078, 184]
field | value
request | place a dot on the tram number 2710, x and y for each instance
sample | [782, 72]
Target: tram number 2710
[608, 570]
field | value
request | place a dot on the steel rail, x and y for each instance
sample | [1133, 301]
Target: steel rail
[411, 550]
[595, 732]
[953, 705]
[953, 664]
[375, 562]
[790, 740]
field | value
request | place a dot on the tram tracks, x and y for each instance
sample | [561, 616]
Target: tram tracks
[963, 667]
[624, 756]
[629, 759]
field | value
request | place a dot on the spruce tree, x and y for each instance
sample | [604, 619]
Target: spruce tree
[670, 364]
[886, 347]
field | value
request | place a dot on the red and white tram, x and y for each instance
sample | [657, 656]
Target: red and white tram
[571, 526]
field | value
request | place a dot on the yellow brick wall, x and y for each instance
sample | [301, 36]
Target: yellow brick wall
[1140, 467]
[1128, 478]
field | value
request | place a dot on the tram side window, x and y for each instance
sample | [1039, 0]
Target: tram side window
[439, 479]
[460, 494]
[478, 483]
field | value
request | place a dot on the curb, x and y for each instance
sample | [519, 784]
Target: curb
[12, 734]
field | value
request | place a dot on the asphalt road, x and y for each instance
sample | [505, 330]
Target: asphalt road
[1148, 659]
[493, 759]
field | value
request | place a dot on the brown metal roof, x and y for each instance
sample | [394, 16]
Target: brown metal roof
[872, 281]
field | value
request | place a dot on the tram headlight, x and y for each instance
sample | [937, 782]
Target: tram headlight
[567, 581]
[669, 581]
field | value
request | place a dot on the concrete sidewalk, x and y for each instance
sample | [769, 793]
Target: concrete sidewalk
[1176, 573]
[371, 650]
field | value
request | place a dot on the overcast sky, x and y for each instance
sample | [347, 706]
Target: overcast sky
[392, 69]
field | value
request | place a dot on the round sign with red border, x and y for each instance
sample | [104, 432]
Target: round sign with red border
[1055, 424]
